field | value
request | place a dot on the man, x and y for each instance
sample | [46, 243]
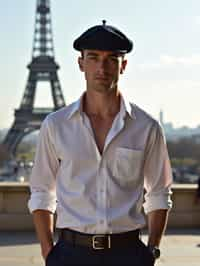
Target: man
[94, 159]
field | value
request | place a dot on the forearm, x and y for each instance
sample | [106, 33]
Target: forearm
[157, 221]
[44, 224]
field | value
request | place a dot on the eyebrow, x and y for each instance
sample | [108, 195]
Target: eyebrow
[92, 53]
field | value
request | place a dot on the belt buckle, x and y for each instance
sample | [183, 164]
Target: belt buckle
[95, 241]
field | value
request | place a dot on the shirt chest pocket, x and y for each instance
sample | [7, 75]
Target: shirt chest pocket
[127, 165]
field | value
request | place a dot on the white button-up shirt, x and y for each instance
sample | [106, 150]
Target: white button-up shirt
[96, 193]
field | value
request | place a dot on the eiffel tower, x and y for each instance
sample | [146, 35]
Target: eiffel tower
[42, 68]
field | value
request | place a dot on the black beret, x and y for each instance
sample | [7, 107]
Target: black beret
[103, 37]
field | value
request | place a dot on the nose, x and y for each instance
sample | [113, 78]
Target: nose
[102, 66]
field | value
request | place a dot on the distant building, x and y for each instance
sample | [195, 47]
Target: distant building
[176, 133]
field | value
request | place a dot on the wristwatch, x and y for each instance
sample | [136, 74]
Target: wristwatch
[155, 251]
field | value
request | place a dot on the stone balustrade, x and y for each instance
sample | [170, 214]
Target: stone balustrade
[14, 214]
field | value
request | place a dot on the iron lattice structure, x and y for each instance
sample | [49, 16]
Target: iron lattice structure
[42, 68]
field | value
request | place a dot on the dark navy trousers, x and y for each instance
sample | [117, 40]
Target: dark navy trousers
[66, 254]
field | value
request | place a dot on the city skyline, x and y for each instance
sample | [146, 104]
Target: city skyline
[162, 71]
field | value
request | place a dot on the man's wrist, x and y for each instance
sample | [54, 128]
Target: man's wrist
[46, 250]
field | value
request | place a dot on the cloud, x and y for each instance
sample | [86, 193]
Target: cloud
[170, 61]
[192, 60]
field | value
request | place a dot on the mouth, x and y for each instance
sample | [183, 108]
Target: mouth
[102, 78]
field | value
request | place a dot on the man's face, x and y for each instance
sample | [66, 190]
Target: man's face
[102, 69]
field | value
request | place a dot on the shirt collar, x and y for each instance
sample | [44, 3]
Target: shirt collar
[75, 107]
[125, 107]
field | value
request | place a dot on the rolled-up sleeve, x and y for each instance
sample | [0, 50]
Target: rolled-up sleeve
[157, 172]
[42, 179]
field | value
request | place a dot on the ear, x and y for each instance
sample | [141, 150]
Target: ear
[123, 66]
[80, 63]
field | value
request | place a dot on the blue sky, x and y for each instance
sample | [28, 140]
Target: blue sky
[162, 71]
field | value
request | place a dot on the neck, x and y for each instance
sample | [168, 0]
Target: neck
[101, 104]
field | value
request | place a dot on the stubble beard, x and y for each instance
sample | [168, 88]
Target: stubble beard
[103, 88]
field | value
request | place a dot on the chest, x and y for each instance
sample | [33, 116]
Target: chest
[101, 128]
[77, 141]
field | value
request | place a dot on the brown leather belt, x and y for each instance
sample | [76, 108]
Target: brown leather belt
[100, 241]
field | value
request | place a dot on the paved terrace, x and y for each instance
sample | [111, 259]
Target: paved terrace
[179, 248]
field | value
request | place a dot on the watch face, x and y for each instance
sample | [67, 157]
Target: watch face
[156, 252]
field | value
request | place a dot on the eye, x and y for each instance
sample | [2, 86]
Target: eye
[114, 58]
